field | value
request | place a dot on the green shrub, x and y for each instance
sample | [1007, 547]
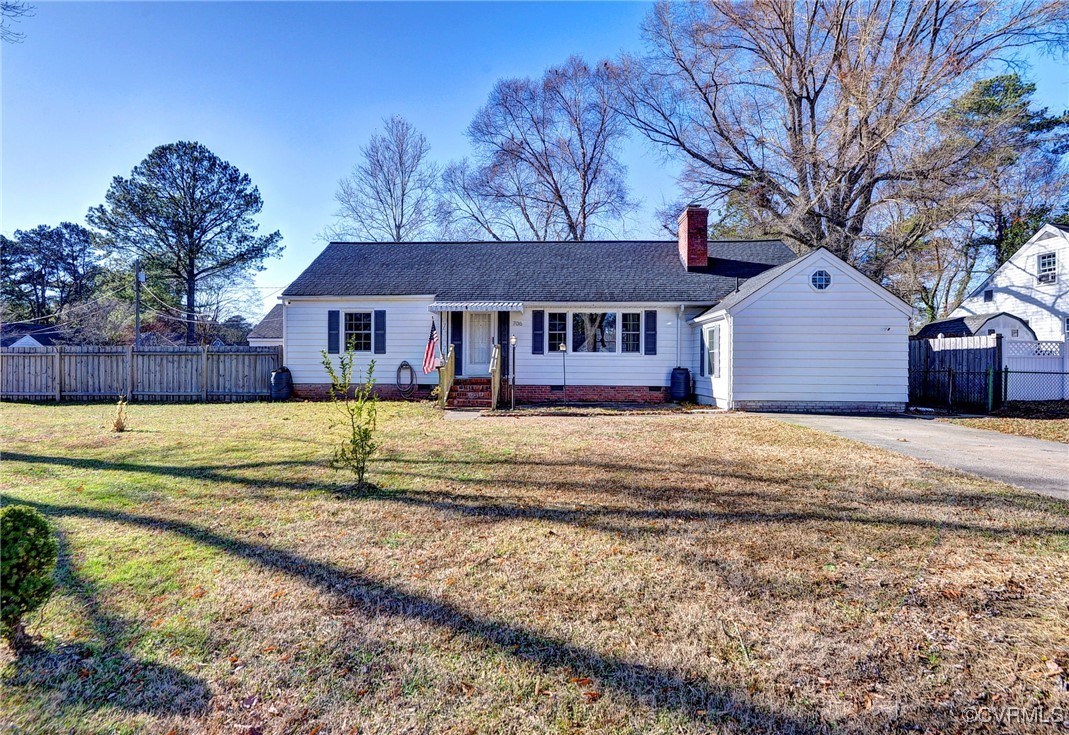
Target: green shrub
[359, 405]
[27, 560]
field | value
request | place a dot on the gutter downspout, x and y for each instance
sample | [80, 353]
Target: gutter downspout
[678, 320]
[729, 322]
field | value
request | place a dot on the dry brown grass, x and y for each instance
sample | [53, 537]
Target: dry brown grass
[1037, 419]
[640, 574]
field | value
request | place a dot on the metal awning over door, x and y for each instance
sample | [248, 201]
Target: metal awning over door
[440, 306]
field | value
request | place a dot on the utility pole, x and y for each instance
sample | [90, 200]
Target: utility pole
[139, 277]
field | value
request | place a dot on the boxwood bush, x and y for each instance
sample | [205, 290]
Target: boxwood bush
[27, 563]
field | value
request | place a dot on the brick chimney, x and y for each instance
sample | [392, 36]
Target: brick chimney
[694, 236]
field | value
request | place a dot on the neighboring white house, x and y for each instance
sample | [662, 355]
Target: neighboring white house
[268, 333]
[805, 333]
[1033, 285]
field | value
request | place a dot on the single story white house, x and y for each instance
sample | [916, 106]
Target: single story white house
[1033, 286]
[758, 327]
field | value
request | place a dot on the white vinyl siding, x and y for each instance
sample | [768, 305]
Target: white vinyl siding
[408, 324]
[847, 343]
[596, 368]
[715, 390]
[1016, 288]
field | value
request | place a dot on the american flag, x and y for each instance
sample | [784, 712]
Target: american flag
[430, 359]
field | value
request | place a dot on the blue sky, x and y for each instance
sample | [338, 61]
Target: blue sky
[288, 92]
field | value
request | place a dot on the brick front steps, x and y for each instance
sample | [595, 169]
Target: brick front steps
[470, 393]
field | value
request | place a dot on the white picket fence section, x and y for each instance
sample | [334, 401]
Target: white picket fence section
[1036, 370]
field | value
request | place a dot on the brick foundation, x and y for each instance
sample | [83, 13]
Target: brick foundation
[321, 392]
[819, 407]
[591, 394]
[524, 393]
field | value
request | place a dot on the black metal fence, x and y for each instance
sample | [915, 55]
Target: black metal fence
[965, 390]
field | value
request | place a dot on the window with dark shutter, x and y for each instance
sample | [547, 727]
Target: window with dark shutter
[538, 332]
[651, 332]
[701, 352]
[380, 332]
[333, 332]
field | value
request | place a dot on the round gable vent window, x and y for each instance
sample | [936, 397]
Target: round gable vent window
[821, 280]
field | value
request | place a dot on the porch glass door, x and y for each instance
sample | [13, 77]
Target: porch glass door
[479, 339]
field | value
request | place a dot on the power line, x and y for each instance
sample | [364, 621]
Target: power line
[60, 311]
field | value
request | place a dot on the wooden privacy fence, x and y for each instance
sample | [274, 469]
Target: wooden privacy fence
[99, 372]
[956, 372]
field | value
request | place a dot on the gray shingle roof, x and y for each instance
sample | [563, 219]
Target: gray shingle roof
[642, 271]
[270, 327]
[748, 286]
[962, 326]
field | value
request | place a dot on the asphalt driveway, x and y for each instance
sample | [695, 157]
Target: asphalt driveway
[1031, 464]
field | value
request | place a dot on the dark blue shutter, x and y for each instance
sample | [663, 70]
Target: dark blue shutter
[538, 332]
[503, 339]
[333, 332]
[702, 357]
[380, 332]
[456, 338]
[651, 332]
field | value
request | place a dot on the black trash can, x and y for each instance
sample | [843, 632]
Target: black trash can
[680, 390]
[281, 384]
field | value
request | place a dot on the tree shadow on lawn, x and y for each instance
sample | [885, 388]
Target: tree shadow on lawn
[98, 674]
[611, 518]
[660, 688]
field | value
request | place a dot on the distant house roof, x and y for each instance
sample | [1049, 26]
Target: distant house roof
[270, 327]
[46, 336]
[601, 271]
[1063, 228]
[964, 326]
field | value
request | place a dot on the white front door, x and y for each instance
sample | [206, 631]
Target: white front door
[478, 342]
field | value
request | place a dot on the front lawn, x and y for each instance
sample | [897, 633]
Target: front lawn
[612, 574]
[1037, 419]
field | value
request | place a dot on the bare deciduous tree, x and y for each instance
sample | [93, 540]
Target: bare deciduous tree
[390, 194]
[12, 10]
[546, 162]
[818, 112]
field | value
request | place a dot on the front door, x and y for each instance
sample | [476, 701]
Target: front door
[478, 342]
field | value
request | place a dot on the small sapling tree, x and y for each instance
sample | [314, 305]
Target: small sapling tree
[26, 567]
[358, 405]
[120, 424]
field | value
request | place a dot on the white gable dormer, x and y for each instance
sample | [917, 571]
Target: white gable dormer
[1032, 285]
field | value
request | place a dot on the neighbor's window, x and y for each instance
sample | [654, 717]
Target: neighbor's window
[990, 332]
[358, 330]
[1047, 267]
[630, 332]
[714, 351]
[989, 295]
[1067, 325]
[593, 332]
[1015, 332]
[820, 279]
[558, 330]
